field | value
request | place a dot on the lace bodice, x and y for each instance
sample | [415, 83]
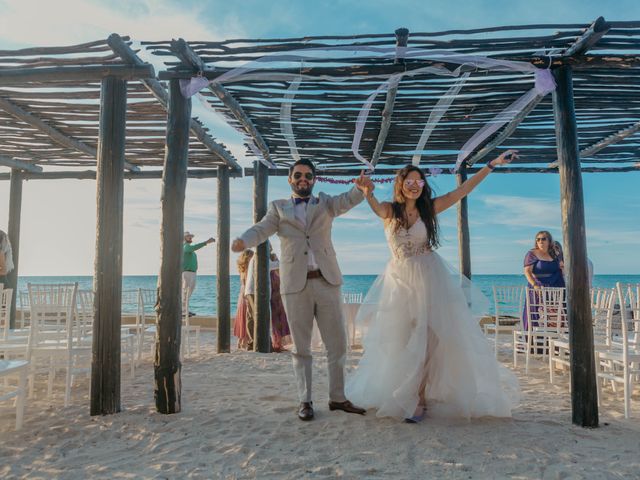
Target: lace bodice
[405, 243]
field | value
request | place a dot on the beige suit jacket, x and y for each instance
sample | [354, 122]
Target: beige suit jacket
[297, 239]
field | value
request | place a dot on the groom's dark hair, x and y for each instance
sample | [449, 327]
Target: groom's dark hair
[305, 162]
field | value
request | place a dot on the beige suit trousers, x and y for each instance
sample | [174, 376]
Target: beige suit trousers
[323, 301]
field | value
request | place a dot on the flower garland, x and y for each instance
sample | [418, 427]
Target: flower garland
[337, 181]
[431, 172]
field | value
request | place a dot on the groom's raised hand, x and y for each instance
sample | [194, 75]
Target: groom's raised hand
[237, 245]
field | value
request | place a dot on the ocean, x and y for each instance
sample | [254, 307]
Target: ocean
[203, 300]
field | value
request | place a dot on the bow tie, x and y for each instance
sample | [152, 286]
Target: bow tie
[297, 200]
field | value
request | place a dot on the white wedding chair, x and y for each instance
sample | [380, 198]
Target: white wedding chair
[56, 340]
[85, 315]
[619, 361]
[602, 306]
[189, 332]
[547, 319]
[351, 302]
[14, 371]
[508, 305]
[25, 312]
[6, 294]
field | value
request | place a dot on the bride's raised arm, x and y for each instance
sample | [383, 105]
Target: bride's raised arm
[366, 186]
[445, 201]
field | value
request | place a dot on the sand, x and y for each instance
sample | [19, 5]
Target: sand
[238, 422]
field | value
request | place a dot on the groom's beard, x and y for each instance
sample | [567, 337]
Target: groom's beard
[302, 191]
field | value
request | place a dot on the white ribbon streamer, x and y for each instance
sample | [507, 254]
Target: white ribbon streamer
[436, 115]
[286, 126]
[246, 72]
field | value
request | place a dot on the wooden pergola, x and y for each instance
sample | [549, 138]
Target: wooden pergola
[587, 125]
[97, 111]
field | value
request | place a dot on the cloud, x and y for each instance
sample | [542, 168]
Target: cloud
[32, 22]
[518, 211]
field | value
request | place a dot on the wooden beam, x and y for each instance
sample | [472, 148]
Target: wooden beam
[140, 175]
[354, 172]
[584, 398]
[222, 274]
[12, 163]
[167, 365]
[105, 363]
[262, 314]
[505, 133]
[53, 133]
[17, 77]
[249, 172]
[119, 46]
[402, 37]
[184, 52]
[616, 61]
[464, 243]
[13, 231]
[589, 38]
[617, 137]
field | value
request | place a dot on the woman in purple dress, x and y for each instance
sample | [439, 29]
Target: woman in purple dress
[543, 267]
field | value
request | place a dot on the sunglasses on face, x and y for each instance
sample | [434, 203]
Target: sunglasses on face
[409, 183]
[298, 175]
[542, 239]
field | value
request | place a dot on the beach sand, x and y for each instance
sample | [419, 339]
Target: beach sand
[239, 422]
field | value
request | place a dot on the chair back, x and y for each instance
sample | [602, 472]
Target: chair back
[6, 294]
[52, 310]
[546, 308]
[629, 325]
[602, 303]
[508, 304]
[25, 314]
[147, 299]
[352, 297]
[84, 315]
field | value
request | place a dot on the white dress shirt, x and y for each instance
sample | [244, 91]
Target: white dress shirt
[300, 212]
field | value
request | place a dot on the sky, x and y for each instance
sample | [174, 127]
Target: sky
[505, 211]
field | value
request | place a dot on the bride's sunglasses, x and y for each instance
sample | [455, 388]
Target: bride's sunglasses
[409, 183]
[307, 175]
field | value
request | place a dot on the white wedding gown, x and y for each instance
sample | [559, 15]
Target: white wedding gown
[418, 324]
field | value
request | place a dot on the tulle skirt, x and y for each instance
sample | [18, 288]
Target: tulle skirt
[421, 331]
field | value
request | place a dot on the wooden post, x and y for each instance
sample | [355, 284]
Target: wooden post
[584, 400]
[105, 363]
[222, 277]
[262, 324]
[464, 247]
[13, 231]
[167, 366]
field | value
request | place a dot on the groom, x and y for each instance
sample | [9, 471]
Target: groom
[310, 277]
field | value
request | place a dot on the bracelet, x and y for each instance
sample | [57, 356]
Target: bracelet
[491, 167]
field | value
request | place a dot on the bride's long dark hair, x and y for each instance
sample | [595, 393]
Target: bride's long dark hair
[424, 203]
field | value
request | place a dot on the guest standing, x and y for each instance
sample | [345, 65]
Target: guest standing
[543, 267]
[280, 334]
[190, 262]
[240, 326]
[6, 256]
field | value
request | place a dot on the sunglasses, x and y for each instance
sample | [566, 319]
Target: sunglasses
[408, 183]
[542, 239]
[307, 175]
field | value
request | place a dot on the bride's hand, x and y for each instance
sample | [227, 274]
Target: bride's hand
[364, 184]
[505, 158]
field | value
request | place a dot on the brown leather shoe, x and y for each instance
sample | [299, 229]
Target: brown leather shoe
[346, 406]
[305, 412]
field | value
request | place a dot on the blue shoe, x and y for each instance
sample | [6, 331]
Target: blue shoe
[417, 418]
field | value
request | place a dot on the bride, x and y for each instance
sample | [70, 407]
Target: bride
[423, 347]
